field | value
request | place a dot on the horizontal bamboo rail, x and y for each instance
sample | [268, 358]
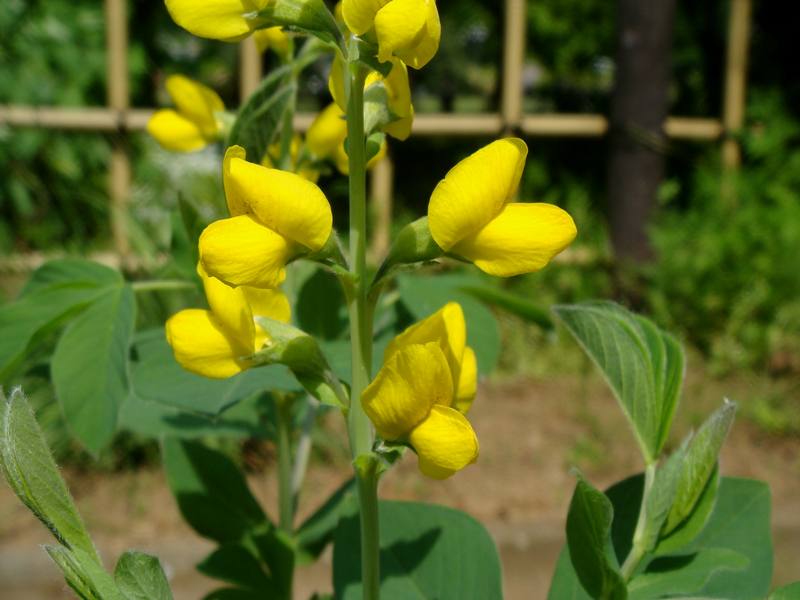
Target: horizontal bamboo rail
[432, 124]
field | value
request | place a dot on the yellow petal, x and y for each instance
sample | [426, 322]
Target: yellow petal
[327, 132]
[427, 45]
[241, 251]
[272, 304]
[274, 38]
[522, 239]
[231, 310]
[359, 15]
[175, 132]
[445, 443]
[400, 26]
[286, 203]
[467, 382]
[201, 346]
[197, 103]
[226, 20]
[407, 386]
[475, 191]
[336, 82]
[446, 327]
[236, 205]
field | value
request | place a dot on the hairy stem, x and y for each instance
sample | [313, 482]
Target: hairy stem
[637, 548]
[359, 427]
[285, 492]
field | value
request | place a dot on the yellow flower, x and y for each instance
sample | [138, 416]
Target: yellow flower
[195, 123]
[275, 216]
[216, 343]
[299, 164]
[226, 20]
[408, 29]
[274, 38]
[424, 389]
[398, 93]
[471, 214]
[326, 136]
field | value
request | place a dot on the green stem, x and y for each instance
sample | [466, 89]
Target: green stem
[359, 427]
[157, 285]
[285, 493]
[287, 128]
[638, 549]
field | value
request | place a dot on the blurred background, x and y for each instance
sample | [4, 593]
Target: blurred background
[670, 131]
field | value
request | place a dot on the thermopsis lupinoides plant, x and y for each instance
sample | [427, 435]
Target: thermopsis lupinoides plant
[678, 530]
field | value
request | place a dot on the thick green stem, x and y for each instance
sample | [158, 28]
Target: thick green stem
[285, 493]
[637, 547]
[359, 427]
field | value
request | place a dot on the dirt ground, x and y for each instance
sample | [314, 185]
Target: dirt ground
[531, 433]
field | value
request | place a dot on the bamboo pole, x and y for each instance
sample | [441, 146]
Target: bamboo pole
[249, 68]
[735, 80]
[513, 63]
[118, 101]
[381, 184]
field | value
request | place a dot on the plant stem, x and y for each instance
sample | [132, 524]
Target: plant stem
[162, 285]
[287, 130]
[638, 549]
[303, 451]
[285, 494]
[359, 427]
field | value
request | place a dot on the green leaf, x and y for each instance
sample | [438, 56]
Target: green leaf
[96, 575]
[661, 498]
[787, 592]
[307, 16]
[234, 594]
[159, 378]
[679, 575]
[318, 530]
[55, 291]
[427, 552]
[424, 295]
[320, 309]
[700, 460]
[512, 303]
[139, 576]
[589, 542]
[90, 367]
[685, 533]
[211, 492]
[32, 473]
[643, 366]
[73, 574]
[259, 119]
[233, 563]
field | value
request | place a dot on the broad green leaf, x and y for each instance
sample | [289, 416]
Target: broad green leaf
[97, 576]
[788, 592]
[661, 498]
[233, 563]
[32, 473]
[234, 594]
[589, 543]
[317, 531]
[90, 367]
[258, 120]
[320, 309]
[510, 302]
[211, 492]
[739, 524]
[54, 292]
[157, 377]
[139, 576]
[424, 295]
[427, 552]
[156, 420]
[684, 575]
[699, 462]
[642, 365]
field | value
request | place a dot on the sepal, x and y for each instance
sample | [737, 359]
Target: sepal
[306, 16]
[414, 244]
[294, 348]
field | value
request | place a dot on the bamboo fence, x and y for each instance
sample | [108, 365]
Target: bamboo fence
[119, 119]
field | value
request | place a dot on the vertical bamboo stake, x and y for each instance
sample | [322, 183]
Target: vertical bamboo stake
[382, 184]
[118, 100]
[513, 62]
[735, 80]
[249, 68]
